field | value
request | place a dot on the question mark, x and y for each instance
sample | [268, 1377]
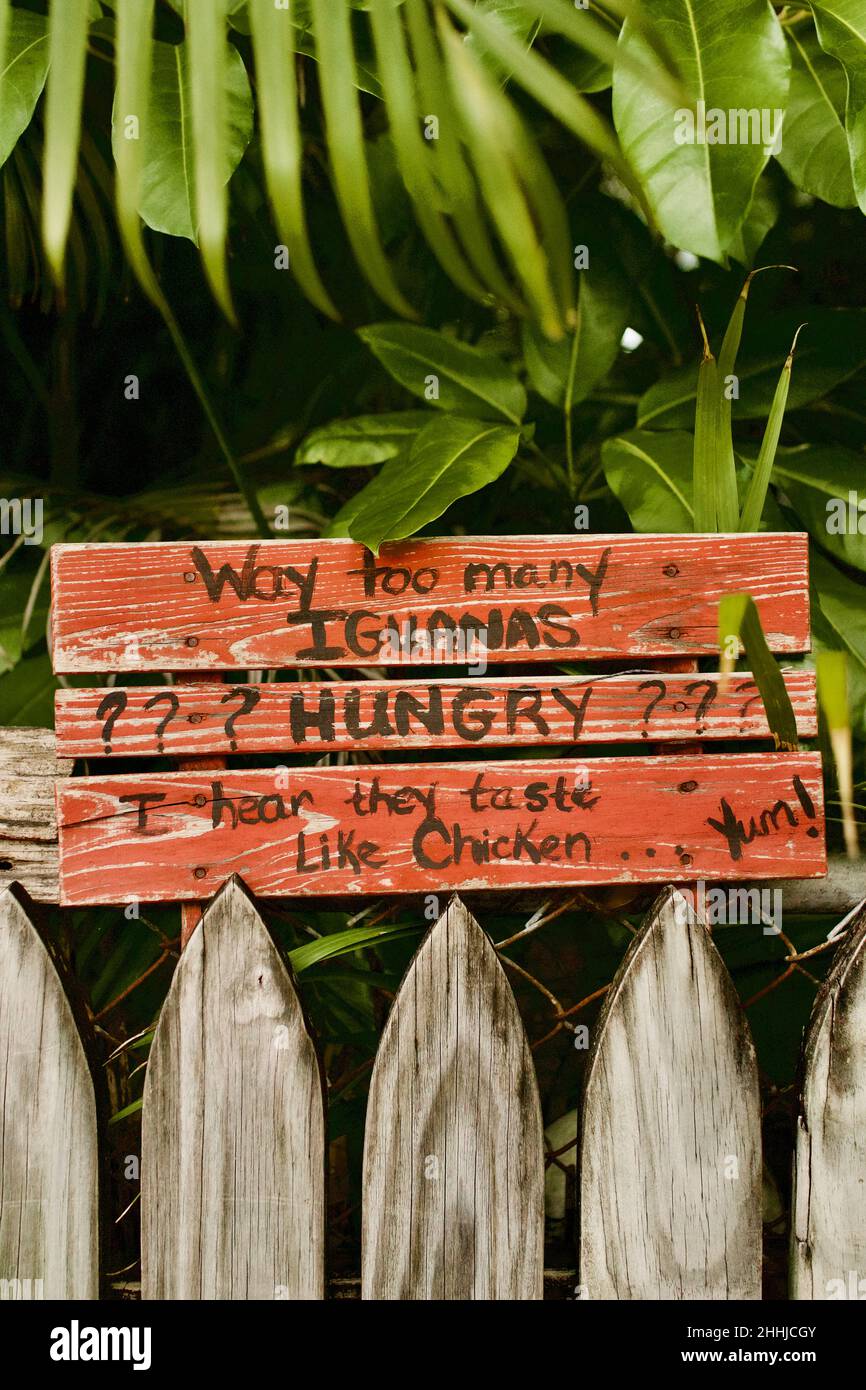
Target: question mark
[249, 699]
[161, 727]
[709, 696]
[662, 692]
[116, 702]
[745, 685]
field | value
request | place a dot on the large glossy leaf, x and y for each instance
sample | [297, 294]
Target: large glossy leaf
[842, 32]
[24, 70]
[573, 367]
[451, 458]
[651, 474]
[814, 151]
[168, 201]
[833, 348]
[364, 440]
[68, 22]
[820, 482]
[731, 56]
[446, 373]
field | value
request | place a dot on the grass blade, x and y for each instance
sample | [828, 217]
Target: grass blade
[706, 438]
[133, 60]
[756, 496]
[207, 38]
[832, 673]
[412, 150]
[739, 621]
[507, 168]
[282, 152]
[67, 48]
[335, 50]
[453, 175]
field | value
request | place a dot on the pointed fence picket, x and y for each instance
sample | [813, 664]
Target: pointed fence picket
[233, 1145]
[670, 1159]
[233, 1124]
[828, 1227]
[48, 1136]
[453, 1196]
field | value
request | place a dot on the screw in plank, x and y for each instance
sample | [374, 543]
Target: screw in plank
[192, 641]
[199, 800]
[671, 571]
[675, 633]
[199, 873]
[688, 786]
[189, 577]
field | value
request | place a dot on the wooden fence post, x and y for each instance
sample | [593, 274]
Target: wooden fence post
[453, 1199]
[670, 1151]
[828, 1205]
[233, 1125]
[49, 1222]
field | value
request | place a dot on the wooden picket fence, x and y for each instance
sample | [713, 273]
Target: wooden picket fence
[234, 1127]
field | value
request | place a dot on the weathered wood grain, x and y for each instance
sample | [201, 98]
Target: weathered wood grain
[828, 1227]
[402, 828]
[453, 1186]
[670, 1158]
[226, 605]
[48, 1138]
[29, 766]
[333, 716]
[233, 1128]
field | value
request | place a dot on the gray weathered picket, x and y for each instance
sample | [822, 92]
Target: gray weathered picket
[29, 766]
[670, 1157]
[453, 1190]
[48, 1137]
[233, 1124]
[828, 1226]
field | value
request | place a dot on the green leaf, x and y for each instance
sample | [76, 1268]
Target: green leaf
[814, 151]
[841, 28]
[168, 178]
[739, 618]
[24, 70]
[823, 484]
[208, 105]
[451, 458]
[273, 37]
[730, 55]
[651, 474]
[762, 216]
[133, 59]
[365, 440]
[345, 136]
[27, 693]
[833, 350]
[468, 381]
[124, 1114]
[840, 624]
[831, 669]
[340, 943]
[753, 507]
[68, 22]
[604, 305]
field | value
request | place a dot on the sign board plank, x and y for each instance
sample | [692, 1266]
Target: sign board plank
[404, 828]
[233, 605]
[354, 715]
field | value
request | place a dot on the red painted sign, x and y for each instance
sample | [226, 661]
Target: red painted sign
[233, 605]
[398, 829]
[396, 715]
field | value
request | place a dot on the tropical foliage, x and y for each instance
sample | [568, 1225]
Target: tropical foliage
[374, 267]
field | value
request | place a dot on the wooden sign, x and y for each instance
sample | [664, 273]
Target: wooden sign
[399, 829]
[234, 605]
[351, 715]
